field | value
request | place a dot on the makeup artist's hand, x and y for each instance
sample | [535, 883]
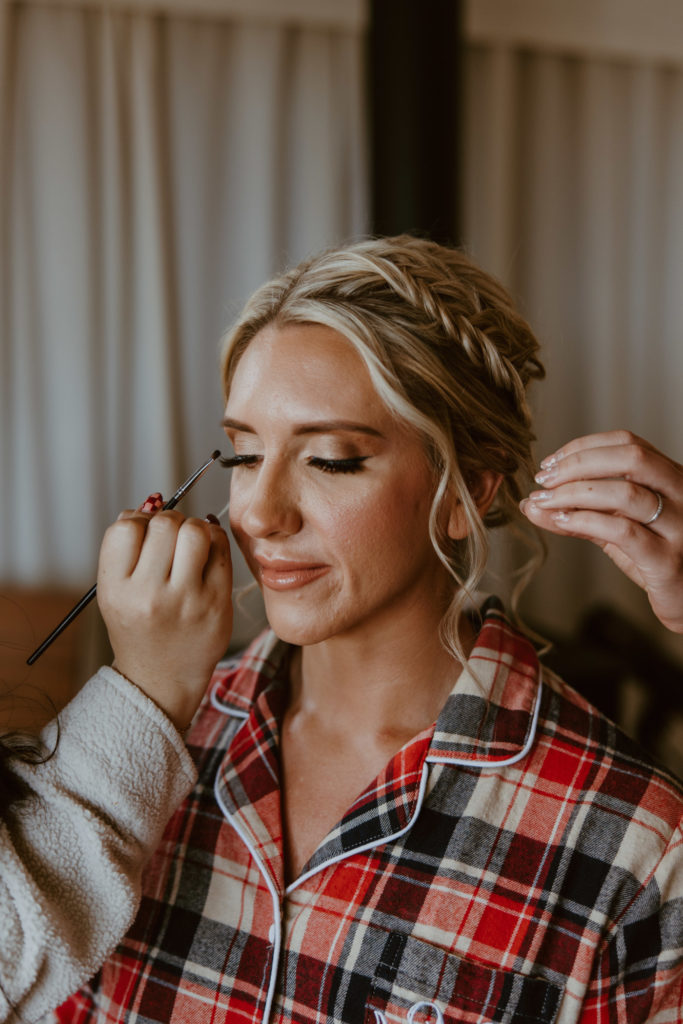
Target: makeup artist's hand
[619, 492]
[164, 588]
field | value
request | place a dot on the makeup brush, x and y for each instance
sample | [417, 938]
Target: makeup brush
[87, 598]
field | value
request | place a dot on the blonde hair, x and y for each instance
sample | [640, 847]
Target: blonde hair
[449, 355]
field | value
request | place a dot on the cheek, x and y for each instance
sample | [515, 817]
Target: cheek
[239, 501]
[235, 521]
[395, 520]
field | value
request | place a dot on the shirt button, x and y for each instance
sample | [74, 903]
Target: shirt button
[271, 934]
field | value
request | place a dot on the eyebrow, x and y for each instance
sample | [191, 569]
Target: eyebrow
[316, 427]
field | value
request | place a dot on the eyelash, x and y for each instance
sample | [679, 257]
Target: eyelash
[325, 465]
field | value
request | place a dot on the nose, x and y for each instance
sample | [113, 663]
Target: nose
[264, 503]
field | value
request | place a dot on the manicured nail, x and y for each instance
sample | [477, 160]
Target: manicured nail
[546, 476]
[153, 503]
[541, 496]
[211, 518]
[560, 517]
[551, 460]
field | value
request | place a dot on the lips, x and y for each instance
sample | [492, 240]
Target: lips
[287, 575]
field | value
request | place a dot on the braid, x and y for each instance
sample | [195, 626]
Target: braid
[448, 353]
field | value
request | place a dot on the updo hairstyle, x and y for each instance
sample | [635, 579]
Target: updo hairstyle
[449, 355]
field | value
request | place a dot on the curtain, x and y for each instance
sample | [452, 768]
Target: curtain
[574, 197]
[156, 168]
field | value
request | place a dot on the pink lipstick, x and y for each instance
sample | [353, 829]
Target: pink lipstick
[289, 575]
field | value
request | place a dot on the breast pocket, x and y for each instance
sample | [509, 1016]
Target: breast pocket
[416, 983]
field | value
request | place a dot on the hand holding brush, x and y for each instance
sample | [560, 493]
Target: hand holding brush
[164, 587]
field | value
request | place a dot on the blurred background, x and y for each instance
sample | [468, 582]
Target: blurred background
[161, 158]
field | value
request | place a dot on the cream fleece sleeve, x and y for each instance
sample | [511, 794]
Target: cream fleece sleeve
[72, 854]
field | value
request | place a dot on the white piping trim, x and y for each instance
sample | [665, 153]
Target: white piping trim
[367, 846]
[222, 708]
[420, 796]
[425, 1003]
[273, 892]
[491, 762]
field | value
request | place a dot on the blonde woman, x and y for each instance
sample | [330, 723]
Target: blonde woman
[399, 815]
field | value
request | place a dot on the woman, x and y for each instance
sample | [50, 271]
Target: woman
[398, 815]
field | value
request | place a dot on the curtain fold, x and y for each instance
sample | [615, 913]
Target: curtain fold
[574, 197]
[158, 168]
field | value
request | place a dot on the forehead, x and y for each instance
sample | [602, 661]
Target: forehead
[304, 364]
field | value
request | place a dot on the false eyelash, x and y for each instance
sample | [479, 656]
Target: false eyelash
[238, 460]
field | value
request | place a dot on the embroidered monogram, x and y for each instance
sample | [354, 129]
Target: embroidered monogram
[423, 1007]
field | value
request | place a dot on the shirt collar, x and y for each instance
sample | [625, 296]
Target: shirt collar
[491, 713]
[488, 718]
[238, 683]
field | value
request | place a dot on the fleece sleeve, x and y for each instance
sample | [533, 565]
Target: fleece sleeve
[71, 855]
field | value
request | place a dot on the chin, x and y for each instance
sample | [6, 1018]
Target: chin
[302, 628]
[298, 634]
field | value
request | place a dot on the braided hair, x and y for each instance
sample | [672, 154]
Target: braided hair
[447, 352]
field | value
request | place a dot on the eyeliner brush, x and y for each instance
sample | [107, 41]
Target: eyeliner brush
[87, 598]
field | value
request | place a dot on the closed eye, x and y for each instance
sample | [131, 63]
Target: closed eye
[351, 465]
[239, 460]
[338, 465]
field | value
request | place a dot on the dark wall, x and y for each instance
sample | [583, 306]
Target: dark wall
[414, 77]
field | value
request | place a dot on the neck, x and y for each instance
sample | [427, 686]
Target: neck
[383, 686]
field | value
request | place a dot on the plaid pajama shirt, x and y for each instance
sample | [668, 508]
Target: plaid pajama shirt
[521, 862]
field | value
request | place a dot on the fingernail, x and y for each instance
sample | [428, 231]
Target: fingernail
[153, 503]
[211, 518]
[545, 476]
[551, 460]
[560, 517]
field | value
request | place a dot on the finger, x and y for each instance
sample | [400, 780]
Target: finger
[121, 546]
[630, 546]
[637, 463]
[158, 551]
[637, 542]
[621, 497]
[192, 548]
[218, 568]
[605, 439]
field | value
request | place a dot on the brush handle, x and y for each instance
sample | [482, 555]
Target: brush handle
[87, 598]
[76, 610]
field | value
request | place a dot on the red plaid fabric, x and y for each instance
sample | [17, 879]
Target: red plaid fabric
[520, 863]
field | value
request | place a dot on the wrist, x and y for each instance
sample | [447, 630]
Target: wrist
[177, 699]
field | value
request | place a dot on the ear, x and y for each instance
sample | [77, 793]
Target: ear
[483, 492]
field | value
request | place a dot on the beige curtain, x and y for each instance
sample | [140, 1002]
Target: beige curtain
[156, 168]
[574, 197]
